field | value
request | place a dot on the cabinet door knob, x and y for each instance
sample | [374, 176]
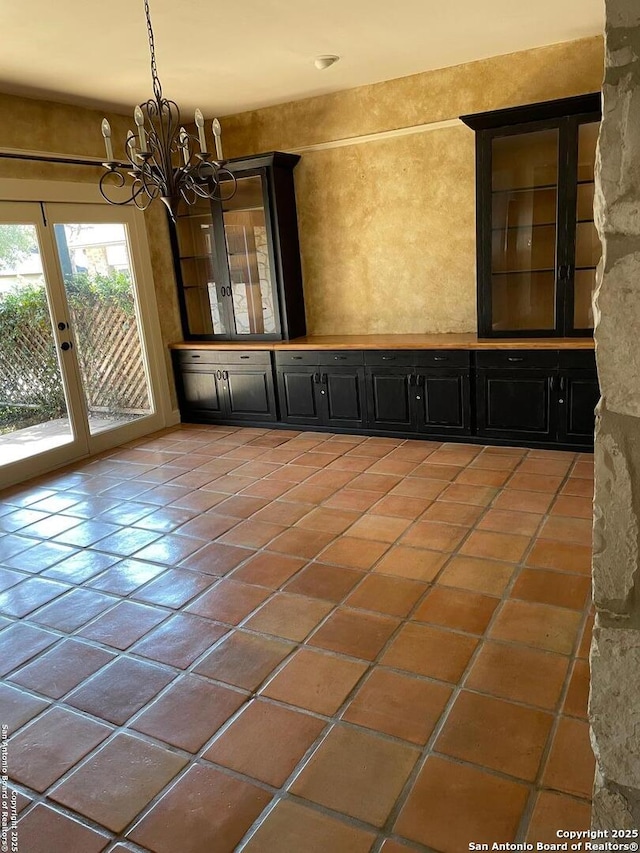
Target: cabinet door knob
[66, 345]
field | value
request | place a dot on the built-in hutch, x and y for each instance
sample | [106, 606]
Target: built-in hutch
[527, 378]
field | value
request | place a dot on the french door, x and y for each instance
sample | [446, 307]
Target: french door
[75, 331]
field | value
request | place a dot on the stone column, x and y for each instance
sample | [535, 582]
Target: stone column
[614, 707]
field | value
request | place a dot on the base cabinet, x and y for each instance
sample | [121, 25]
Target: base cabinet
[319, 391]
[543, 398]
[578, 396]
[537, 396]
[515, 404]
[212, 388]
[417, 394]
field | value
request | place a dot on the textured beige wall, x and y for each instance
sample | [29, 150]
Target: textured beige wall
[46, 126]
[387, 228]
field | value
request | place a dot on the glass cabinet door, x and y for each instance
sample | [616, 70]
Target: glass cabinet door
[524, 205]
[587, 244]
[253, 305]
[203, 284]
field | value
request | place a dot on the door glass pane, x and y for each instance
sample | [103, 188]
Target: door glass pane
[33, 408]
[100, 291]
[250, 271]
[588, 248]
[524, 180]
[523, 301]
[203, 287]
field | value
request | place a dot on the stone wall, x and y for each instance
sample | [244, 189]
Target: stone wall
[615, 655]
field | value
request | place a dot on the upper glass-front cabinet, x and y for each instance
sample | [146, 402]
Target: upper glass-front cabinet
[537, 245]
[238, 261]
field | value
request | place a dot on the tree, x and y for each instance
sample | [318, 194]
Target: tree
[16, 243]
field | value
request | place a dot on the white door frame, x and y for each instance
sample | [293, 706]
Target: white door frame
[63, 193]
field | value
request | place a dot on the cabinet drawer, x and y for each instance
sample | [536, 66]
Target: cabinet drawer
[249, 357]
[418, 358]
[517, 358]
[581, 359]
[319, 357]
[299, 357]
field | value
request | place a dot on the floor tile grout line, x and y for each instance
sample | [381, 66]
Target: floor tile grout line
[428, 587]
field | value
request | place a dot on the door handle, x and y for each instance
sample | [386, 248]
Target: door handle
[219, 375]
[62, 326]
[552, 383]
[316, 378]
[225, 375]
[66, 345]
[323, 379]
[562, 384]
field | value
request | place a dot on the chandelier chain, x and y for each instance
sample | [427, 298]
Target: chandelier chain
[157, 85]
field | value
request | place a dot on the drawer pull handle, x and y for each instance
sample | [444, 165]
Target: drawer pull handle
[196, 356]
[340, 357]
[245, 356]
[514, 358]
[388, 357]
[441, 358]
[296, 357]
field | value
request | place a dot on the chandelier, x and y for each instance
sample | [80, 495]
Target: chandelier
[162, 158]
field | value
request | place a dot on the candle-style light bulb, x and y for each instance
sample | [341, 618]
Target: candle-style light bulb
[132, 151]
[217, 134]
[200, 126]
[184, 144]
[138, 117]
[106, 132]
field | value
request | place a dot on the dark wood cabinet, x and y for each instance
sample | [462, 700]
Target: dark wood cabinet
[237, 260]
[223, 386]
[537, 246]
[515, 404]
[424, 392]
[540, 398]
[444, 403]
[537, 396]
[320, 391]
[389, 398]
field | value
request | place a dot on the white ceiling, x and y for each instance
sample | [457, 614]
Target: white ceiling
[229, 56]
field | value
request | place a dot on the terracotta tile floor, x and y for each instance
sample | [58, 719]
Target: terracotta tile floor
[222, 639]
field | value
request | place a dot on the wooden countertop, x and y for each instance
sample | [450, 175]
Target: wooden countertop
[379, 342]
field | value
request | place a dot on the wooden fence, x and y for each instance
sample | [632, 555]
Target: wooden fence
[109, 355]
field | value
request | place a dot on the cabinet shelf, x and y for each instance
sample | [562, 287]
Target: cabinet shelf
[541, 224]
[522, 271]
[527, 227]
[525, 189]
[249, 245]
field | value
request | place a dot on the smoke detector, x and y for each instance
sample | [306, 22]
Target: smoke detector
[322, 62]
